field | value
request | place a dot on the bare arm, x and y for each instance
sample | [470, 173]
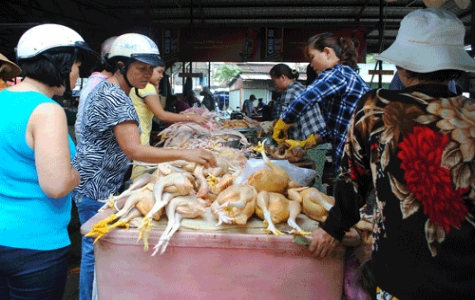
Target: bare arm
[128, 137]
[153, 103]
[47, 135]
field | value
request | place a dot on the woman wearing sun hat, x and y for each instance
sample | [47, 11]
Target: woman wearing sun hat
[417, 146]
[8, 70]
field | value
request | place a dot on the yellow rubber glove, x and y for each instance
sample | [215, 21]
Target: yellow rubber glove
[280, 127]
[305, 144]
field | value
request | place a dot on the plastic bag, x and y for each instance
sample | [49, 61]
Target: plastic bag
[302, 176]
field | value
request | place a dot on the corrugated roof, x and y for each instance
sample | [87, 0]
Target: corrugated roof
[98, 20]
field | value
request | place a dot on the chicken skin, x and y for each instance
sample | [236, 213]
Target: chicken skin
[181, 207]
[274, 180]
[177, 184]
[275, 208]
[315, 204]
[235, 204]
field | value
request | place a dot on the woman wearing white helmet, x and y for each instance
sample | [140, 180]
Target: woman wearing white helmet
[37, 176]
[111, 137]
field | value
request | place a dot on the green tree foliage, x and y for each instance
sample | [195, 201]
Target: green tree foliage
[226, 73]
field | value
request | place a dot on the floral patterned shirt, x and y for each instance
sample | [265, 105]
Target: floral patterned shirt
[417, 147]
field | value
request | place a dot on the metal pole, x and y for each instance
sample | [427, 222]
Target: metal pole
[381, 35]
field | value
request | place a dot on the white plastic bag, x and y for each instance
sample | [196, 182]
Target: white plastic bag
[302, 176]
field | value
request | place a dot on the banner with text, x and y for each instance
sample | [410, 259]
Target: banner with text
[244, 44]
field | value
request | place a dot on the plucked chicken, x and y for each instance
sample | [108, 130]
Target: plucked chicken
[235, 204]
[188, 207]
[118, 219]
[315, 204]
[176, 184]
[274, 180]
[284, 152]
[275, 208]
[138, 183]
[102, 227]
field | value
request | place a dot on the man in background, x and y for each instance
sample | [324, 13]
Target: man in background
[248, 106]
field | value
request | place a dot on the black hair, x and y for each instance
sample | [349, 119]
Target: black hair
[311, 75]
[283, 69]
[344, 48]
[170, 103]
[44, 68]
[104, 65]
[114, 61]
[440, 75]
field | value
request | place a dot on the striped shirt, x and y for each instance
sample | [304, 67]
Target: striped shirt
[99, 159]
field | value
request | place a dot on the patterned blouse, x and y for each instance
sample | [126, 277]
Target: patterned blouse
[99, 159]
[417, 146]
[336, 91]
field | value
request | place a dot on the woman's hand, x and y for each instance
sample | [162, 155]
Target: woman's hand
[200, 156]
[322, 244]
[309, 143]
[280, 128]
[198, 119]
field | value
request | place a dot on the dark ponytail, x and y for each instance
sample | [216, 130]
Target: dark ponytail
[344, 48]
[283, 69]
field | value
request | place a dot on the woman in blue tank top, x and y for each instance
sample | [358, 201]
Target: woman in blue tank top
[37, 176]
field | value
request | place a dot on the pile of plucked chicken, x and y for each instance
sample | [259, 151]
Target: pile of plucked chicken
[184, 190]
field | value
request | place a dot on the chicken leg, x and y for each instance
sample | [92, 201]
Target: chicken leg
[102, 226]
[274, 180]
[275, 208]
[235, 204]
[137, 184]
[315, 204]
[179, 207]
[178, 184]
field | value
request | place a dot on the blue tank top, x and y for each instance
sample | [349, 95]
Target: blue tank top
[29, 219]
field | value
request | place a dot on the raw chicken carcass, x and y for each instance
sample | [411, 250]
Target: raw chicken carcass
[176, 184]
[225, 181]
[138, 183]
[284, 152]
[235, 204]
[203, 187]
[315, 204]
[180, 207]
[274, 180]
[102, 227]
[115, 220]
[234, 158]
[274, 208]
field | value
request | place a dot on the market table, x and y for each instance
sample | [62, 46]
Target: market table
[203, 261]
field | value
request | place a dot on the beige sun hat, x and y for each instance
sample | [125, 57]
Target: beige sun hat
[429, 40]
[8, 69]
[463, 4]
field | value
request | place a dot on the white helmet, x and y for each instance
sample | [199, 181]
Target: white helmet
[42, 38]
[106, 46]
[138, 47]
